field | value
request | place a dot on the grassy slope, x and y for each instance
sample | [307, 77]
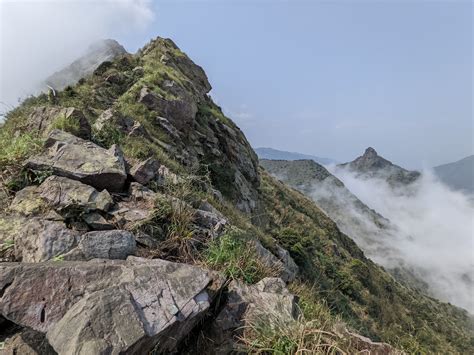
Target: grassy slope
[347, 284]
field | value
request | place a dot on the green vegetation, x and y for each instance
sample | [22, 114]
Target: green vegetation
[269, 334]
[67, 124]
[15, 149]
[234, 255]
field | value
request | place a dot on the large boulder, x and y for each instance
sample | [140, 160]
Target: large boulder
[72, 157]
[111, 307]
[41, 240]
[44, 119]
[61, 192]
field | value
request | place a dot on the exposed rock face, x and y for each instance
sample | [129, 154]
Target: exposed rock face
[60, 192]
[96, 54]
[372, 165]
[206, 136]
[365, 345]
[245, 303]
[286, 267]
[43, 118]
[81, 160]
[27, 201]
[107, 306]
[41, 240]
[114, 244]
[145, 171]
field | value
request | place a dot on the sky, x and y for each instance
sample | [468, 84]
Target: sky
[327, 78]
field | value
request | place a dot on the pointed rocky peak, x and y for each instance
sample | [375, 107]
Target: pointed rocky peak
[370, 152]
[371, 165]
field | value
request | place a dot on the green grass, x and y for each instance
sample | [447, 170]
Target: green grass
[232, 254]
[67, 124]
[15, 149]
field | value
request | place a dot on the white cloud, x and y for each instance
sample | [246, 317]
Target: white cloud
[39, 37]
[435, 232]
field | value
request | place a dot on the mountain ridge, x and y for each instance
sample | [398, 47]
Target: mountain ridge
[154, 203]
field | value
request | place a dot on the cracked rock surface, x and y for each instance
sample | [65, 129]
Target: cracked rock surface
[107, 306]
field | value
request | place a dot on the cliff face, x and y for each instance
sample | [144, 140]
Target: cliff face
[135, 218]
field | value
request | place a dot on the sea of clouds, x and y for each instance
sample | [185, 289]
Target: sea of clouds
[433, 235]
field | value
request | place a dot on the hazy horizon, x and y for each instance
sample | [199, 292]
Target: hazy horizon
[325, 79]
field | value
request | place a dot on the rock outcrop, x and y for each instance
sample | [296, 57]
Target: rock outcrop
[78, 159]
[107, 306]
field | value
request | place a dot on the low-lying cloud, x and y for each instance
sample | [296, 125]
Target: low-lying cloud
[433, 234]
[39, 37]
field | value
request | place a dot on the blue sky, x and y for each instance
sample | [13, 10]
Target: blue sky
[331, 78]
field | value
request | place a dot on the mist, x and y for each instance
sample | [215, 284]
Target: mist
[38, 38]
[431, 233]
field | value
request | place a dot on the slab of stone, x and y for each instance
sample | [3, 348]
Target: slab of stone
[108, 306]
[78, 159]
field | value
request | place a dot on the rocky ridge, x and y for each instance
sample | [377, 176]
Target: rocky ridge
[135, 218]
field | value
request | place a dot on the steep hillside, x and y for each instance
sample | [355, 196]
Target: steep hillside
[135, 219]
[275, 154]
[458, 175]
[372, 165]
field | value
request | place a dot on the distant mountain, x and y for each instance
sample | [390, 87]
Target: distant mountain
[353, 217]
[458, 175]
[97, 53]
[372, 232]
[275, 154]
[372, 165]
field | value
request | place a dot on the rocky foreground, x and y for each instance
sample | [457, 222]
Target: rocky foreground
[135, 219]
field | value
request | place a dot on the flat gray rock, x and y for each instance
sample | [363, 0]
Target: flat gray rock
[72, 157]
